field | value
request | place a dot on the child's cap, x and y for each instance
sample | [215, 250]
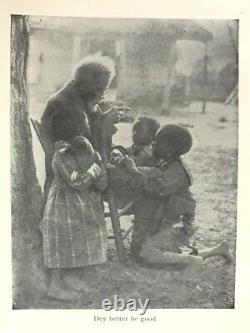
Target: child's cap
[177, 137]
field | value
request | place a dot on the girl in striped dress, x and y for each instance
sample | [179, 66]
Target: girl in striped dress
[73, 227]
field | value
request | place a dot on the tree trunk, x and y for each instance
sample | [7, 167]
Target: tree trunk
[29, 278]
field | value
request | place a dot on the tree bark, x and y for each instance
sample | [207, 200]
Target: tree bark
[29, 277]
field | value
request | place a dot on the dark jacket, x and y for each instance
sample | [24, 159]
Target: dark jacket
[165, 197]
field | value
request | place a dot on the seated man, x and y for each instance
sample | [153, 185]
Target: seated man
[74, 111]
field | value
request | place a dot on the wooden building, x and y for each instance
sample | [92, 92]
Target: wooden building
[144, 51]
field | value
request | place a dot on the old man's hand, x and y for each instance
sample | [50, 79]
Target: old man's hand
[114, 115]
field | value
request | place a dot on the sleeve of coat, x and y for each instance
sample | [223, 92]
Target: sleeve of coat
[63, 126]
[102, 133]
[58, 121]
[102, 182]
[168, 182]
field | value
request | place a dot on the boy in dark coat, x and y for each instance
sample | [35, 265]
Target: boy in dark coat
[164, 201]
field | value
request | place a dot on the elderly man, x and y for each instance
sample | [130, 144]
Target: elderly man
[73, 110]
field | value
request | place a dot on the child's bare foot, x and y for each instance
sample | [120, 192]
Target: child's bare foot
[223, 249]
[62, 294]
[192, 268]
[194, 260]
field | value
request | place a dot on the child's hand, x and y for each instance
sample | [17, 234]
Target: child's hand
[95, 171]
[74, 176]
[129, 164]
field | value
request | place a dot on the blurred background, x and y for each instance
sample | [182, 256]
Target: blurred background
[160, 64]
[177, 69]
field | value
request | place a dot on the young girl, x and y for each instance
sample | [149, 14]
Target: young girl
[164, 201]
[73, 227]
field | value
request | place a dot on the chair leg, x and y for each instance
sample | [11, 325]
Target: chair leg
[128, 232]
[116, 225]
[122, 211]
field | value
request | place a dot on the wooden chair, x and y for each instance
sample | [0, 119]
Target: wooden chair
[113, 213]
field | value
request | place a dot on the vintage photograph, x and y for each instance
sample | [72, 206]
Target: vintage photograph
[124, 149]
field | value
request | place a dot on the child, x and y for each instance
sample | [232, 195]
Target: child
[73, 227]
[165, 201]
[143, 134]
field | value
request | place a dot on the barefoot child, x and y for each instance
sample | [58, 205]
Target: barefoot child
[73, 227]
[166, 200]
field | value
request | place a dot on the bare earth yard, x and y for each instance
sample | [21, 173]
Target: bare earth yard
[213, 162]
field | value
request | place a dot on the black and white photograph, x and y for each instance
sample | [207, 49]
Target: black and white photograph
[124, 163]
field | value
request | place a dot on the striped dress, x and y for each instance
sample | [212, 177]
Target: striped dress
[73, 227]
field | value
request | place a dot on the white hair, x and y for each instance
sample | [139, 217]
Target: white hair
[94, 62]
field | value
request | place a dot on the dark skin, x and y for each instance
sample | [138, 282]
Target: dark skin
[84, 152]
[151, 252]
[161, 149]
[142, 134]
[114, 115]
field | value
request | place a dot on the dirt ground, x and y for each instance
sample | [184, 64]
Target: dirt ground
[213, 162]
